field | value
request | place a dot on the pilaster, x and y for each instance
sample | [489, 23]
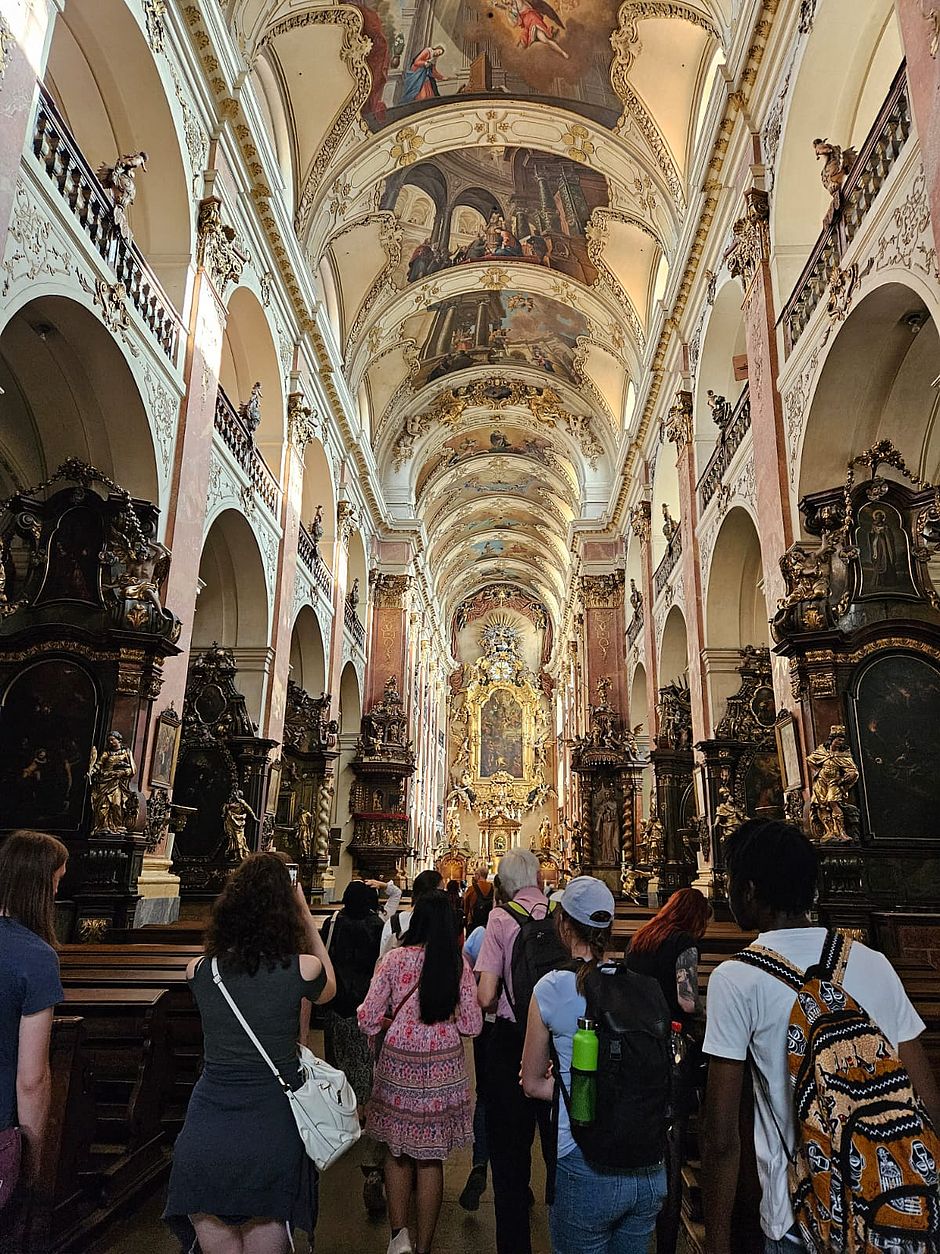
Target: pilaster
[641, 526]
[920, 34]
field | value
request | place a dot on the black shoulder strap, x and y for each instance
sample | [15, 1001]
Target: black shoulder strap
[395, 922]
[773, 963]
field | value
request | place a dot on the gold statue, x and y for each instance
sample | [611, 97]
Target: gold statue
[234, 817]
[113, 800]
[652, 837]
[306, 831]
[836, 775]
[545, 835]
[728, 818]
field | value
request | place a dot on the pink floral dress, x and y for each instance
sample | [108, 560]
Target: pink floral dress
[420, 1104]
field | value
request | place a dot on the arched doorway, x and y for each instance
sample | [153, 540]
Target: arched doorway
[232, 604]
[736, 611]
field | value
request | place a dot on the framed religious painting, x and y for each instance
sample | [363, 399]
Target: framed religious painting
[166, 744]
[788, 751]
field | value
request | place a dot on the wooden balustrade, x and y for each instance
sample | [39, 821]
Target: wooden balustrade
[728, 444]
[55, 148]
[877, 156]
[668, 563]
[231, 426]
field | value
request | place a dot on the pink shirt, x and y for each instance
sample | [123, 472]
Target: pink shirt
[496, 952]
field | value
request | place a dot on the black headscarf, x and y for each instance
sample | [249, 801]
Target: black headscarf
[359, 900]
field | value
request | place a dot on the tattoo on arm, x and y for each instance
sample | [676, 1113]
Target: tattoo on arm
[687, 980]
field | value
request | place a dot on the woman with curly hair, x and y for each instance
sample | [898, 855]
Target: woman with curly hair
[240, 1171]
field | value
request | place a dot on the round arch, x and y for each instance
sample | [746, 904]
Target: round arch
[267, 91]
[356, 569]
[350, 701]
[736, 611]
[665, 492]
[318, 493]
[350, 718]
[307, 653]
[639, 698]
[853, 78]
[723, 339]
[232, 604]
[876, 382]
[69, 392]
[103, 77]
[673, 649]
[249, 356]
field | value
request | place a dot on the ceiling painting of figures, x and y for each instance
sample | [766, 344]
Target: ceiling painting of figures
[496, 329]
[495, 204]
[440, 50]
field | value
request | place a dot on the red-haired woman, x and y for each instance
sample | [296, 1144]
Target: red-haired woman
[668, 949]
[31, 865]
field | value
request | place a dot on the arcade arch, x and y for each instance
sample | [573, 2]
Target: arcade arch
[317, 493]
[350, 716]
[723, 340]
[249, 356]
[356, 570]
[307, 653]
[665, 492]
[69, 392]
[674, 649]
[103, 78]
[232, 603]
[736, 610]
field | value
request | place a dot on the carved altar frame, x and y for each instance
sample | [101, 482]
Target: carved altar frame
[533, 715]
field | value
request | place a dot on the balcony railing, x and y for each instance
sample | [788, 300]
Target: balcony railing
[231, 427]
[310, 556]
[65, 164]
[728, 444]
[354, 627]
[635, 627]
[864, 181]
[668, 563]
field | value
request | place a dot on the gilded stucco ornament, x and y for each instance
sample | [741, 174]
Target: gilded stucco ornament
[750, 246]
[219, 250]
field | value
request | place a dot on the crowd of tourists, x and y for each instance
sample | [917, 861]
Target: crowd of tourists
[605, 1057]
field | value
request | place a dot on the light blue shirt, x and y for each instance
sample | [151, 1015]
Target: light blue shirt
[473, 944]
[561, 1006]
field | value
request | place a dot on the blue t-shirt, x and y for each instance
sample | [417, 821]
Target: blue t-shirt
[561, 1006]
[473, 944]
[29, 983]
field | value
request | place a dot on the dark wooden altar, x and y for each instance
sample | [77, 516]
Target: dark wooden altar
[860, 626]
[304, 802]
[383, 764]
[741, 765]
[610, 771]
[221, 756]
[674, 792]
[83, 635]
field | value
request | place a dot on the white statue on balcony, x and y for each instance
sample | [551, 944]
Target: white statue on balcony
[120, 180]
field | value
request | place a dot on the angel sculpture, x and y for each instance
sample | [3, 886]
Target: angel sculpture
[120, 180]
[537, 22]
[112, 797]
[837, 162]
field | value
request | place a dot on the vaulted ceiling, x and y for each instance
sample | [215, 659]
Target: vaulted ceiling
[491, 193]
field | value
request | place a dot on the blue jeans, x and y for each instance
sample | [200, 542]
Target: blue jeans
[600, 1212]
[790, 1243]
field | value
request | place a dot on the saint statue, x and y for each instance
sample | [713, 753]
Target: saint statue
[235, 814]
[728, 818]
[636, 597]
[670, 526]
[352, 596]
[251, 410]
[830, 811]
[110, 773]
[306, 831]
[652, 837]
[316, 527]
[606, 828]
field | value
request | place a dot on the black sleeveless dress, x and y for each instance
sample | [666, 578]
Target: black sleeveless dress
[239, 1155]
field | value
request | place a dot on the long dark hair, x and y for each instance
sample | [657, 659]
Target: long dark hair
[686, 911]
[597, 940]
[28, 861]
[256, 918]
[432, 925]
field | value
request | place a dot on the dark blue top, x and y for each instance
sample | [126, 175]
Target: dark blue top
[29, 983]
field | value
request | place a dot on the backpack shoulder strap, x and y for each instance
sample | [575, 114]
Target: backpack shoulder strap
[834, 957]
[773, 963]
[520, 912]
[395, 924]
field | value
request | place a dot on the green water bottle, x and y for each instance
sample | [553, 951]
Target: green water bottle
[584, 1048]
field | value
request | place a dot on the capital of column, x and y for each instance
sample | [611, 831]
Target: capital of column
[641, 521]
[751, 246]
[218, 249]
[678, 425]
[346, 519]
[302, 421]
[389, 591]
[602, 591]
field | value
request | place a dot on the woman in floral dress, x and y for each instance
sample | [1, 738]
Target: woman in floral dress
[425, 995]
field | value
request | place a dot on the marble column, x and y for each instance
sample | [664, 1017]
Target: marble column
[748, 260]
[919, 21]
[605, 639]
[641, 526]
[388, 650]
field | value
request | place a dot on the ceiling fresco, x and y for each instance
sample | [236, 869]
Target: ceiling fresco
[496, 204]
[438, 49]
[490, 194]
[498, 329]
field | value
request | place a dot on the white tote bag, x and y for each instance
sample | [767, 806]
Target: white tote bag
[324, 1107]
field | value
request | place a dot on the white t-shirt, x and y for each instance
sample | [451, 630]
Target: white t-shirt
[748, 1012]
[389, 939]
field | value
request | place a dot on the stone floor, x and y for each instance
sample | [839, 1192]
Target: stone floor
[343, 1226]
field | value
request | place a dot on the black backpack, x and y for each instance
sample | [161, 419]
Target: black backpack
[536, 950]
[634, 1070]
[480, 910]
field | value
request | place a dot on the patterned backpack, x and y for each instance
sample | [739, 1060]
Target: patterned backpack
[863, 1177]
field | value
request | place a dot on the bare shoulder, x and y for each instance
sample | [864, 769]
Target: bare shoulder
[191, 967]
[310, 966]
